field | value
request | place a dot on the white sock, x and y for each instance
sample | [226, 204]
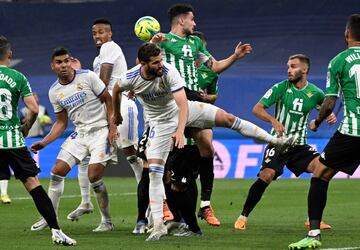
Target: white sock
[249, 129]
[102, 200]
[204, 204]
[314, 232]
[156, 192]
[84, 182]
[56, 189]
[4, 186]
[136, 165]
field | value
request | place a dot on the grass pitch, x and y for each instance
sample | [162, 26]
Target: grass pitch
[277, 220]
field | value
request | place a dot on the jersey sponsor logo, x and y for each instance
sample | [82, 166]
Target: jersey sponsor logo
[298, 104]
[74, 100]
[186, 49]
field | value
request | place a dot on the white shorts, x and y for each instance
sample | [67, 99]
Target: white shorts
[201, 115]
[128, 129]
[81, 144]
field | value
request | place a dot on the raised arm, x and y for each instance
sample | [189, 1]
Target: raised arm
[241, 50]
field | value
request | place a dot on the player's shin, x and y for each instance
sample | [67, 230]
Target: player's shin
[249, 129]
[156, 193]
[56, 189]
[102, 198]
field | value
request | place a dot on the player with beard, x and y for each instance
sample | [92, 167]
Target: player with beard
[294, 98]
[159, 88]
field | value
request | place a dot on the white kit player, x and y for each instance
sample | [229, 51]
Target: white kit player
[109, 65]
[79, 95]
[159, 88]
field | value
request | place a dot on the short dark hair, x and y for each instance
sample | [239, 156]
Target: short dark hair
[5, 46]
[178, 9]
[353, 25]
[59, 51]
[103, 21]
[200, 35]
[147, 50]
[302, 58]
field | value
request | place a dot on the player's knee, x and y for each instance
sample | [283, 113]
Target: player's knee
[267, 175]
[207, 150]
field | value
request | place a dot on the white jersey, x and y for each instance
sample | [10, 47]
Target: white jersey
[80, 99]
[111, 53]
[155, 95]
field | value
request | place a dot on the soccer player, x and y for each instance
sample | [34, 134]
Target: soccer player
[181, 49]
[342, 151]
[13, 150]
[159, 88]
[294, 99]
[108, 65]
[81, 96]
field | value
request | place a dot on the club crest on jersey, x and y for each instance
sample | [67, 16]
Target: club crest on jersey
[204, 75]
[309, 94]
[79, 86]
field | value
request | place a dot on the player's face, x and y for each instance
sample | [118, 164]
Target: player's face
[101, 34]
[296, 70]
[188, 23]
[61, 65]
[155, 66]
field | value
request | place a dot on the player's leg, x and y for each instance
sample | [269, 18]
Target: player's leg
[5, 175]
[101, 155]
[85, 206]
[203, 138]
[63, 165]
[96, 171]
[341, 155]
[26, 170]
[128, 138]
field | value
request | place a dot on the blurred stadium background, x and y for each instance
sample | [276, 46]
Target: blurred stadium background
[276, 29]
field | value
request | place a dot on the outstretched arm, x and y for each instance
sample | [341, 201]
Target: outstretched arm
[56, 131]
[241, 50]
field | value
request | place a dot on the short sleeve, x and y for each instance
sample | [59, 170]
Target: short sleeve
[203, 55]
[56, 105]
[107, 55]
[273, 95]
[333, 79]
[173, 77]
[96, 84]
[25, 89]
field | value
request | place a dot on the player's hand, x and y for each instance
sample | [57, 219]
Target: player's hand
[331, 119]
[131, 95]
[242, 50]
[178, 138]
[75, 63]
[158, 38]
[313, 126]
[279, 128]
[113, 133]
[36, 146]
[117, 119]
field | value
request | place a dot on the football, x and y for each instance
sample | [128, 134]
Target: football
[146, 27]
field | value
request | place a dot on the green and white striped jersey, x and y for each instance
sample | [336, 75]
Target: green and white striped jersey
[344, 76]
[13, 85]
[293, 106]
[182, 53]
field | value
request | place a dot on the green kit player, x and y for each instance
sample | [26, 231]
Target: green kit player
[13, 151]
[342, 151]
[294, 99]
